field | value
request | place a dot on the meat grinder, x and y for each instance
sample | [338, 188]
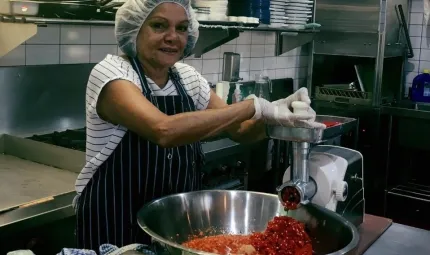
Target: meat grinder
[325, 175]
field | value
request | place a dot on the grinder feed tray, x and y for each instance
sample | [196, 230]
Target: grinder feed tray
[313, 135]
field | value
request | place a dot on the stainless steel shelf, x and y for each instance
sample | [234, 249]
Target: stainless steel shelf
[203, 24]
[212, 33]
[281, 30]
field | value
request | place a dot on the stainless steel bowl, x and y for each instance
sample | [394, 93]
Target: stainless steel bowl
[172, 219]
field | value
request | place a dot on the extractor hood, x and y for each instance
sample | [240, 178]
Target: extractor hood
[361, 27]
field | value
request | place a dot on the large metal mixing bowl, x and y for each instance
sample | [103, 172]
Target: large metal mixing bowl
[172, 219]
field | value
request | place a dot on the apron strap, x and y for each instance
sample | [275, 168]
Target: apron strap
[173, 76]
[177, 81]
[138, 68]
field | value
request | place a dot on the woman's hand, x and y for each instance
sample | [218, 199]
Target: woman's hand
[280, 111]
[300, 95]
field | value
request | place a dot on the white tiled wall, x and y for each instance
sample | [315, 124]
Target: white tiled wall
[420, 39]
[63, 44]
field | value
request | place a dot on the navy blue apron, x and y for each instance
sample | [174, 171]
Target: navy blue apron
[137, 172]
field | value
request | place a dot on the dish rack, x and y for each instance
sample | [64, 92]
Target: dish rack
[345, 96]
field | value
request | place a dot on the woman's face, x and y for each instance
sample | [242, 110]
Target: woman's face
[163, 36]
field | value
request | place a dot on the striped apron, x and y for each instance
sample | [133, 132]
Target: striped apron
[137, 172]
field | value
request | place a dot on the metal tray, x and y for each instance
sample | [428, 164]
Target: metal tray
[312, 135]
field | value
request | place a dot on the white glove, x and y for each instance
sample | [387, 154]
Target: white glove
[310, 123]
[302, 95]
[274, 114]
[280, 111]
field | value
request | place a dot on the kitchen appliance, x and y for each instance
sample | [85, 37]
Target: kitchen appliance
[227, 163]
[365, 42]
[362, 28]
[369, 138]
[171, 220]
[329, 176]
[350, 80]
[230, 73]
[263, 86]
[407, 185]
[231, 67]
[367, 34]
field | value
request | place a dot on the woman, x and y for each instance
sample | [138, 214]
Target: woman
[146, 114]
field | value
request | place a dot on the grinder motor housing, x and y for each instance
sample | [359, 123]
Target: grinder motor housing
[325, 176]
[338, 176]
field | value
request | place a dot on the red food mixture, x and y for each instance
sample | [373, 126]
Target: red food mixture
[290, 198]
[331, 123]
[283, 236]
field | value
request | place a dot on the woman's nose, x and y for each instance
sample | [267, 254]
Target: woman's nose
[171, 35]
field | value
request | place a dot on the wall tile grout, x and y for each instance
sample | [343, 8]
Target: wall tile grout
[256, 48]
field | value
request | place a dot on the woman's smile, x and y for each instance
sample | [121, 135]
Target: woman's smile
[169, 51]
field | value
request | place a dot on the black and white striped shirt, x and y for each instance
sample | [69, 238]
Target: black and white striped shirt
[103, 137]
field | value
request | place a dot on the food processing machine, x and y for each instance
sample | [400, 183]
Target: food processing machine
[329, 176]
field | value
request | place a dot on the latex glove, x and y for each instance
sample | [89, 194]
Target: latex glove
[310, 123]
[300, 95]
[303, 96]
[277, 114]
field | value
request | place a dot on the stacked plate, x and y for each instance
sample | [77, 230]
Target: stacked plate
[277, 13]
[298, 12]
[210, 9]
[290, 13]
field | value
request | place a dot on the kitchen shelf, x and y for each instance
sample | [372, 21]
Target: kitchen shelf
[210, 39]
[286, 39]
[212, 33]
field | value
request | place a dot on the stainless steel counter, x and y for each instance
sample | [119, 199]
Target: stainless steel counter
[397, 240]
[404, 108]
[31, 170]
[60, 206]
[401, 240]
[408, 109]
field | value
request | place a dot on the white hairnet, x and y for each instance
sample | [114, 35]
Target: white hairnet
[131, 15]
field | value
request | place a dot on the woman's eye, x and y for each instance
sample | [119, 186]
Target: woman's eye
[157, 26]
[183, 28]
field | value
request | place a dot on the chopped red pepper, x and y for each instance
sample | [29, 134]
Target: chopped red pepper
[283, 236]
[331, 123]
[306, 250]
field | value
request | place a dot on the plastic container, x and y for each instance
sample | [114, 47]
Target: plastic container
[420, 91]
[237, 95]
